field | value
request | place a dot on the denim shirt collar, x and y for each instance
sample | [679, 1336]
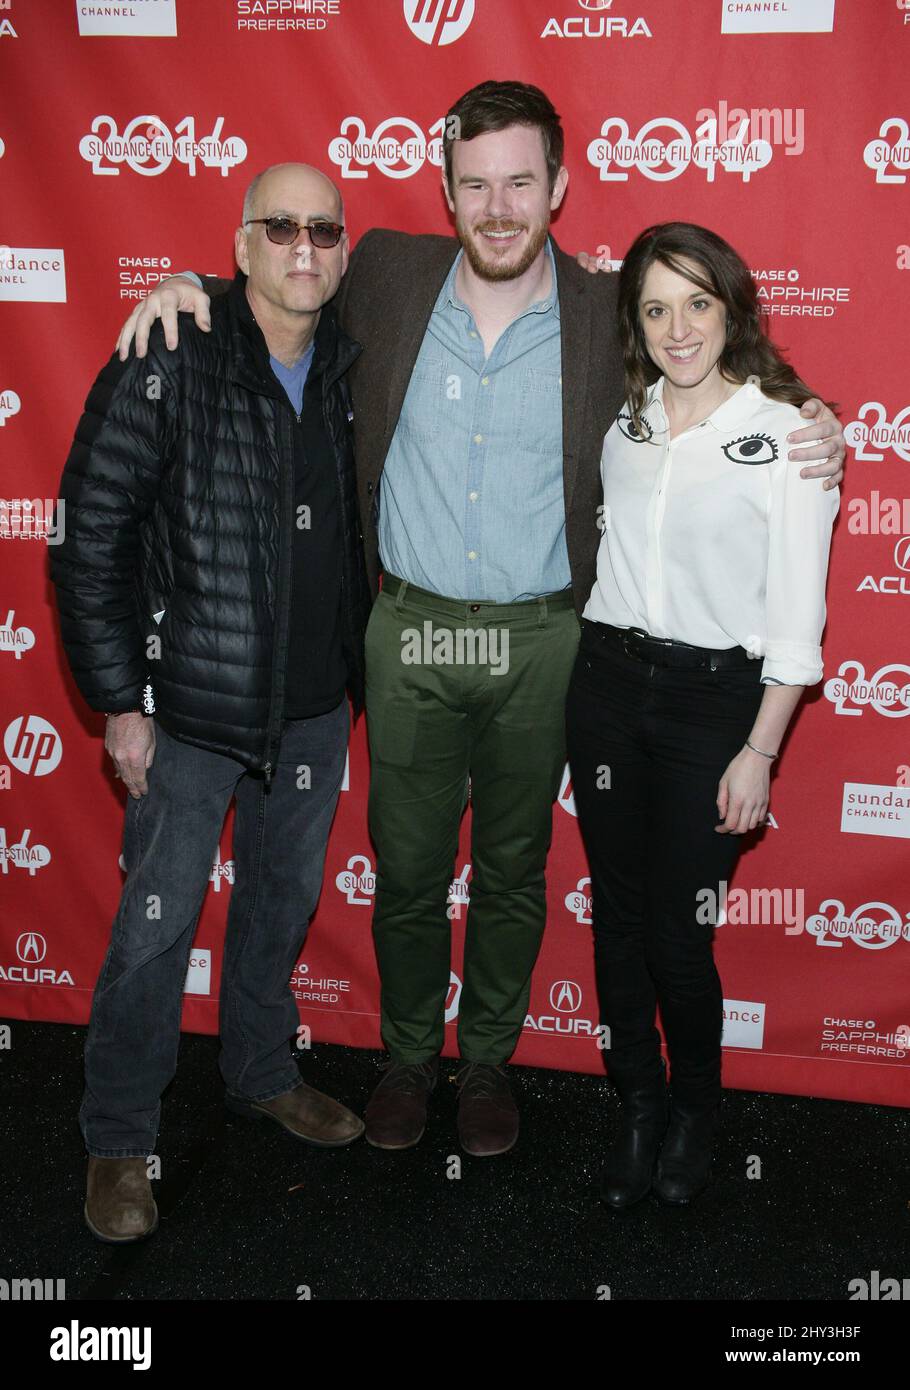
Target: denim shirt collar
[447, 295]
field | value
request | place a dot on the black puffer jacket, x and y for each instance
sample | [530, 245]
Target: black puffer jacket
[178, 494]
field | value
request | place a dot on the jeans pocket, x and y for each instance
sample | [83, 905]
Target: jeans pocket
[131, 848]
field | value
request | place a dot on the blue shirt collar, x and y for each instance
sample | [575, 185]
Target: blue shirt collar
[447, 294]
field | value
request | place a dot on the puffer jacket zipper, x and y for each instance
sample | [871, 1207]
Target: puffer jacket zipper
[283, 590]
[338, 459]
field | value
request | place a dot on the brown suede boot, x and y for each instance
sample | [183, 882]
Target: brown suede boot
[305, 1113]
[119, 1206]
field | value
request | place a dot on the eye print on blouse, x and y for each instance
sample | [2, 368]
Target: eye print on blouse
[751, 448]
[637, 436]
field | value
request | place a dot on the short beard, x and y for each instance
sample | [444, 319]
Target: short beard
[502, 270]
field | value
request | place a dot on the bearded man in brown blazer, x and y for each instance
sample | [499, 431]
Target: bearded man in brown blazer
[490, 374]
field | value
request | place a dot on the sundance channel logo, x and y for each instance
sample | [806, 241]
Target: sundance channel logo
[871, 809]
[137, 19]
[777, 17]
[35, 274]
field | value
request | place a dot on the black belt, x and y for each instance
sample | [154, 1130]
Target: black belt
[663, 651]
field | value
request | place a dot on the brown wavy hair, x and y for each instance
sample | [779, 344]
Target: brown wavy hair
[498, 105]
[747, 352]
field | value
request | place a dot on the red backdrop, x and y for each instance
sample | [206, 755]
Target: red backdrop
[128, 133]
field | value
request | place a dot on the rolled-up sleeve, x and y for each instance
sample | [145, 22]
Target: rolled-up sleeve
[800, 519]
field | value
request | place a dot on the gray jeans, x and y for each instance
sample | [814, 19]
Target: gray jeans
[170, 837]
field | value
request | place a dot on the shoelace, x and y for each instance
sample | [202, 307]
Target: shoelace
[479, 1079]
[406, 1078]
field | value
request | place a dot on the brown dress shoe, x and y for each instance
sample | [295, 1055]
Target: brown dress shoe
[487, 1113]
[119, 1206]
[305, 1113]
[396, 1115]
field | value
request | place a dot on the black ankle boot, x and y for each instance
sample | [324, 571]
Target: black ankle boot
[642, 1123]
[693, 1027]
[684, 1166]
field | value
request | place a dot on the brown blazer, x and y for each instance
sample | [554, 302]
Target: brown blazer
[384, 302]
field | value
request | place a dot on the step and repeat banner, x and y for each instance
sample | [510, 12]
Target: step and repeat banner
[128, 134]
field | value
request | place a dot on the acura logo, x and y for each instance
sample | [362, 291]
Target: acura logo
[902, 553]
[565, 997]
[595, 4]
[31, 945]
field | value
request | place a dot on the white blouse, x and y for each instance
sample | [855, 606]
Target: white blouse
[713, 538]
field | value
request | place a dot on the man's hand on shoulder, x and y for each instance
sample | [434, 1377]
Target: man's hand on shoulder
[173, 296]
[593, 264]
[826, 436]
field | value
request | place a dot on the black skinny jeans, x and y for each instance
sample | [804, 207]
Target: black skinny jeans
[647, 748]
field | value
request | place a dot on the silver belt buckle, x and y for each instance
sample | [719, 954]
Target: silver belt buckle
[625, 643]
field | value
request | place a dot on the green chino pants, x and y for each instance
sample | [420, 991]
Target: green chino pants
[456, 690]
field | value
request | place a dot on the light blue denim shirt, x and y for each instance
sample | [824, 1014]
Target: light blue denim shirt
[471, 501]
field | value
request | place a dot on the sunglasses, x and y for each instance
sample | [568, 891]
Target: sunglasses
[284, 231]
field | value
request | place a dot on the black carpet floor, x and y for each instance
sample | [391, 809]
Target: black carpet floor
[249, 1213]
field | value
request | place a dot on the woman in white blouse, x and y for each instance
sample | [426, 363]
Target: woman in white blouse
[702, 629]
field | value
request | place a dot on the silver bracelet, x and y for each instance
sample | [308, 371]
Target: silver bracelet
[772, 756]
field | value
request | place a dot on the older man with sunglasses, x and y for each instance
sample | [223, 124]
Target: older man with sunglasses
[213, 601]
